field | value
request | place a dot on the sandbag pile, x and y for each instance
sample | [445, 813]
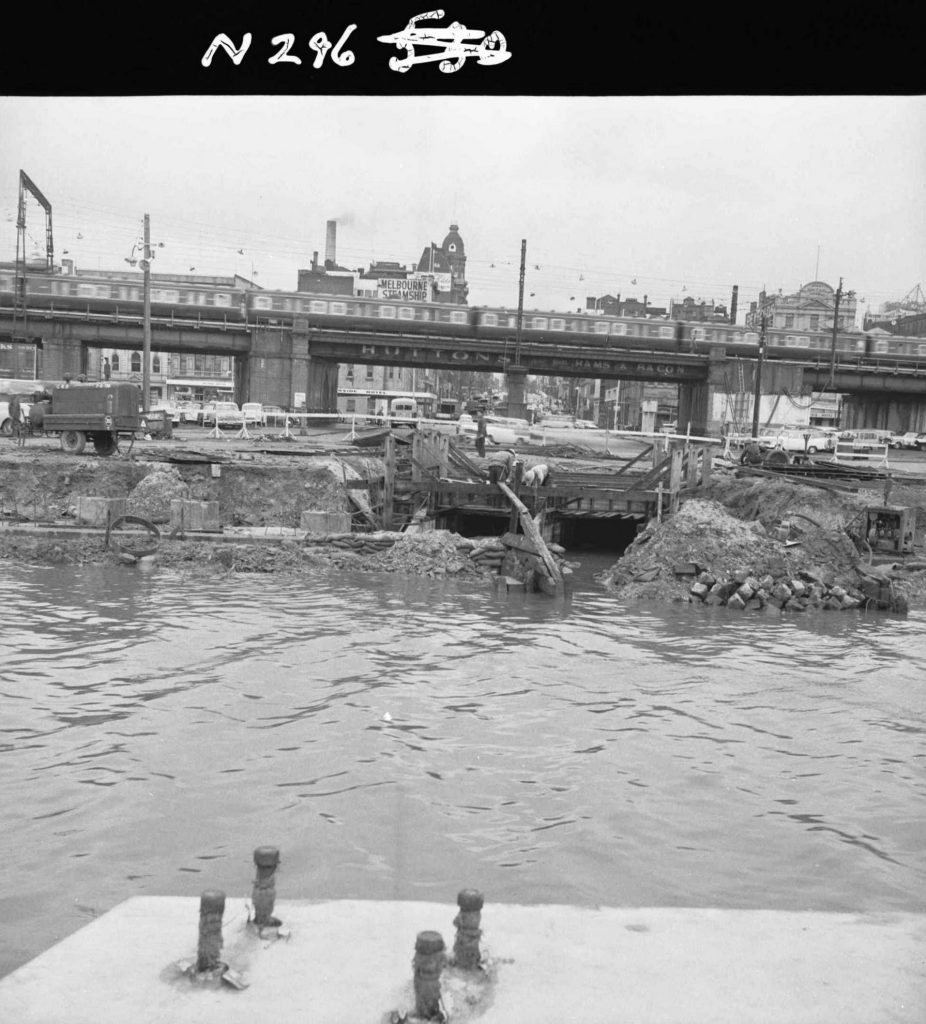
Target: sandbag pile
[360, 543]
[488, 555]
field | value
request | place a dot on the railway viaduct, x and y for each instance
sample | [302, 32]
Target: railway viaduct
[273, 362]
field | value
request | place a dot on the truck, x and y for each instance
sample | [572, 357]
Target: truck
[447, 409]
[98, 413]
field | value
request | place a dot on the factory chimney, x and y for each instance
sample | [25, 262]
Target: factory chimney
[315, 260]
[330, 238]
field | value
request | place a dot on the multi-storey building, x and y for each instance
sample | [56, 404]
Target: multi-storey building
[811, 308]
[698, 312]
[612, 305]
[439, 276]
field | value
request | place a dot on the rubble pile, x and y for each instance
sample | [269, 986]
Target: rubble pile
[703, 554]
[704, 536]
[431, 553]
[152, 495]
[807, 591]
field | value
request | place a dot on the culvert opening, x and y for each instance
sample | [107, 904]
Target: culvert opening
[616, 534]
[476, 524]
[574, 533]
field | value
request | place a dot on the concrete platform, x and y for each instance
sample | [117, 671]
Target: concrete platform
[350, 962]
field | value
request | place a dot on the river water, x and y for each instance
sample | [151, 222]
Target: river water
[404, 738]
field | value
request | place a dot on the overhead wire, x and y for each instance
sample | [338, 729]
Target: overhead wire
[112, 230]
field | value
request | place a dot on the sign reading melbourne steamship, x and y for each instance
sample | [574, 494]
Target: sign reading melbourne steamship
[406, 289]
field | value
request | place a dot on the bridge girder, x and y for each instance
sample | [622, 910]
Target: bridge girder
[130, 334]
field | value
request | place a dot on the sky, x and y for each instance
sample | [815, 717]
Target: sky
[666, 197]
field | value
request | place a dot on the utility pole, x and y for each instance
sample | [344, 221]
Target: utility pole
[517, 341]
[835, 328]
[758, 391]
[146, 343]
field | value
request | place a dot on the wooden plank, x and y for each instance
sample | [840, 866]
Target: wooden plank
[707, 466]
[654, 475]
[636, 458]
[691, 467]
[519, 541]
[675, 478]
[635, 493]
[389, 483]
[530, 528]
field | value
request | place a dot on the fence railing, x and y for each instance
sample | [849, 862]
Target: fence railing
[850, 450]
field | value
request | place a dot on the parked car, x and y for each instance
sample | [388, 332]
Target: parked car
[253, 413]
[189, 411]
[172, 409]
[273, 416]
[809, 441]
[507, 430]
[921, 441]
[6, 424]
[223, 414]
[907, 440]
[466, 425]
[866, 440]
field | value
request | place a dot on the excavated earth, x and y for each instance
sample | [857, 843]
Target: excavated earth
[751, 535]
[735, 543]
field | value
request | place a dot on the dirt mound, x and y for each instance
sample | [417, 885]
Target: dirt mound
[704, 536]
[771, 500]
[151, 497]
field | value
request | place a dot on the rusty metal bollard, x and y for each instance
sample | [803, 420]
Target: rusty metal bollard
[428, 963]
[466, 947]
[211, 909]
[263, 895]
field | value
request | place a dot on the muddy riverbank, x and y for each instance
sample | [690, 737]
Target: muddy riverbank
[745, 542]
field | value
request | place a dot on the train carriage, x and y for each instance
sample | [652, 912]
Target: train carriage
[359, 313]
[123, 296]
[194, 300]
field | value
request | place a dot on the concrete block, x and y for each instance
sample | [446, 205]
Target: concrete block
[325, 522]
[736, 602]
[93, 511]
[551, 963]
[198, 516]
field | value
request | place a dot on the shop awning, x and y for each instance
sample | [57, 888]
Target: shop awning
[218, 384]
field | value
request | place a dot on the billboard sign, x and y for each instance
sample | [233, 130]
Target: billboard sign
[405, 289]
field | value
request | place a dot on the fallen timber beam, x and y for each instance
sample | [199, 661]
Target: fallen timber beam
[530, 528]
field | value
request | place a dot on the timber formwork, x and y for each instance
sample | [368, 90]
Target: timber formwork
[438, 480]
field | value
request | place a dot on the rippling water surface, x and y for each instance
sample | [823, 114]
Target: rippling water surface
[406, 738]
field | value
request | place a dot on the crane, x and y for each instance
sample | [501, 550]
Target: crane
[26, 184]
